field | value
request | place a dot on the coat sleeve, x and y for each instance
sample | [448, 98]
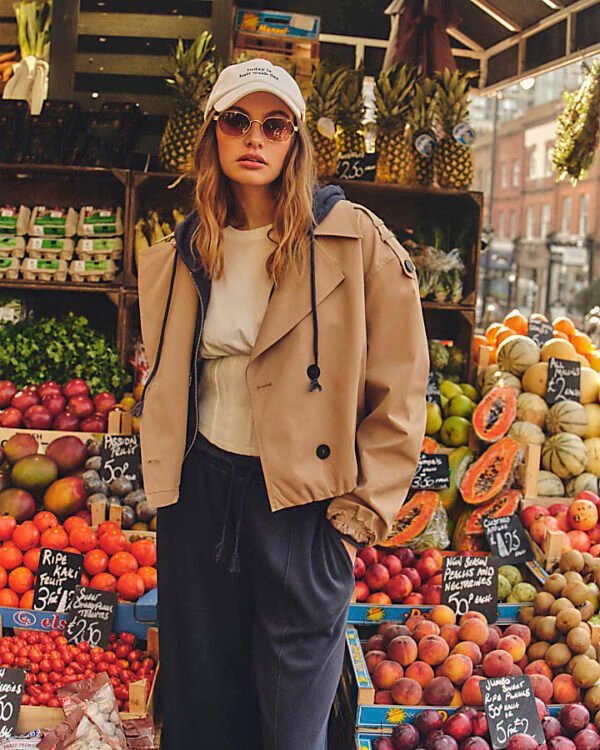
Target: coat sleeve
[389, 437]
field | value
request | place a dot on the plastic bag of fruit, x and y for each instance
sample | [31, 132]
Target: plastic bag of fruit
[100, 724]
[435, 533]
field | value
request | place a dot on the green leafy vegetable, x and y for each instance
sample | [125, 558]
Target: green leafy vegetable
[51, 349]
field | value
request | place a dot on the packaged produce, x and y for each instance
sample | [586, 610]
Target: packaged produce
[100, 726]
[34, 269]
[440, 273]
[50, 248]
[421, 523]
[9, 268]
[139, 733]
[93, 270]
[12, 309]
[53, 222]
[110, 248]
[100, 222]
[14, 220]
[12, 246]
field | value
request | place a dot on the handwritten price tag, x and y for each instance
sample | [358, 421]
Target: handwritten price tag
[509, 704]
[92, 616]
[433, 472]
[564, 381]
[433, 394]
[11, 694]
[506, 539]
[540, 331]
[57, 576]
[120, 458]
[470, 583]
[355, 167]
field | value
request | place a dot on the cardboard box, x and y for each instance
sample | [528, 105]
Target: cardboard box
[278, 23]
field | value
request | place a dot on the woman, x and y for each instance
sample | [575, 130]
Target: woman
[281, 426]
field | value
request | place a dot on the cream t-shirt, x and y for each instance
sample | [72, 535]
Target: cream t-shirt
[238, 302]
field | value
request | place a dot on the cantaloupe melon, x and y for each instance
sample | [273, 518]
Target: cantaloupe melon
[505, 379]
[590, 380]
[532, 408]
[566, 416]
[535, 379]
[584, 361]
[516, 353]
[558, 348]
[526, 433]
[564, 455]
[485, 372]
[592, 446]
[549, 485]
[585, 481]
[592, 412]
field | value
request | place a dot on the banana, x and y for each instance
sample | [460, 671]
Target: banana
[140, 241]
[156, 232]
[178, 216]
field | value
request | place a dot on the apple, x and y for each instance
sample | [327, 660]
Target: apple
[80, 406]
[95, 423]
[49, 388]
[22, 400]
[104, 401]
[7, 391]
[55, 403]
[75, 387]
[37, 417]
[32, 388]
[11, 417]
[66, 422]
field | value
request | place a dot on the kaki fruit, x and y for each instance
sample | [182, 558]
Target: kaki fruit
[494, 414]
[491, 473]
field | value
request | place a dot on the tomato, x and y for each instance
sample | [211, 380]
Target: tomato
[35, 655]
[55, 538]
[8, 658]
[122, 562]
[110, 657]
[10, 556]
[54, 702]
[102, 666]
[144, 551]
[7, 526]
[123, 650]
[83, 538]
[26, 536]
[127, 637]
[20, 580]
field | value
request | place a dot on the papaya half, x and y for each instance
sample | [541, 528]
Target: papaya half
[491, 473]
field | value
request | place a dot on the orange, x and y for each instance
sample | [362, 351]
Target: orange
[95, 562]
[538, 316]
[492, 331]
[20, 580]
[478, 340]
[8, 598]
[27, 600]
[130, 587]
[595, 361]
[3, 578]
[516, 321]
[10, 557]
[55, 538]
[144, 551]
[45, 520]
[503, 334]
[149, 576]
[113, 541]
[560, 335]
[121, 563]
[72, 521]
[26, 536]
[582, 343]
[565, 325]
[104, 582]
[83, 538]
[31, 559]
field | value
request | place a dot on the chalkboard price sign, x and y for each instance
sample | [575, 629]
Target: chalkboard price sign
[471, 584]
[509, 705]
[92, 616]
[12, 682]
[58, 575]
[433, 389]
[540, 331]
[120, 458]
[356, 167]
[433, 472]
[506, 539]
[564, 381]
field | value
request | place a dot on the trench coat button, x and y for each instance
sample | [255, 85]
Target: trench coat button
[323, 451]
[313, 371]
[409, 265]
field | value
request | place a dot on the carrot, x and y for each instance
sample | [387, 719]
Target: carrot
[8, 56]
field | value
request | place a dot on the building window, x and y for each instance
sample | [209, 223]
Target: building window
[545, 221]
[512, 230]
[565, 219]
[501, 234]
[548, 161]
[531, 164]
[584, 209]
[530, 221]
[503, 176]
[516, 173]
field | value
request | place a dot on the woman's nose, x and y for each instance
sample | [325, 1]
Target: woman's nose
[254, 136]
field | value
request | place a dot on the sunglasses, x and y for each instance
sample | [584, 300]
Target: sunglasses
[236, 124]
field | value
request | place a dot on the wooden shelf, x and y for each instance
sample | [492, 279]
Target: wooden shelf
[461, 307]
[67, 169]
[398, 191]
[60, 286]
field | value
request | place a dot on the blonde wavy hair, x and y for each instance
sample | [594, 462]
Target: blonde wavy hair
[216, 207]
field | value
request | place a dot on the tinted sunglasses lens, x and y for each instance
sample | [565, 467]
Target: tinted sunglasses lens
[278, 128]
[233, 123]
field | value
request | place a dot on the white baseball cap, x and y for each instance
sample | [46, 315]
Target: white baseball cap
[251, 76]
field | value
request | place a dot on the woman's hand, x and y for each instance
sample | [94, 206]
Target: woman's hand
[351, 550]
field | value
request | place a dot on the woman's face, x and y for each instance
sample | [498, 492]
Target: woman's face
[252, 159]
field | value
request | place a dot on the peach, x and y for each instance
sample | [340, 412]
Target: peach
[425, 628]
[369, 555]
[471, 691]
[398, 587]
[538, 530]
[515, 646]
[435, 580]
[521, 630]
[564, 689]
[373, 658]
[470, 649]
[421, 672]
[539, 666]
[407, 692]
[432, 594]
[438, 692]
[384, 697]
[413, 621]
[413, 576]
[475, 631]
[359, 568]
[403, 650]
[393, 630]
[377, 576]
[542, 687]
[375, 643]
[450, 634]
[516, 671]
[473, 616]
[491, 643]
[361, 591]
[379, 598]
[497, 663]
[457, 700]
[433, 649]
[457, 668]
[426, 568]
[386, 673]
[442, 615]
[434, 554]
[392, 563]
[416, 599]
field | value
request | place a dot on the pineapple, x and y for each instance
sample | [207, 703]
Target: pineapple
[321, 111]
[351, 110]
[453, 161]
[394, 90]
[192, 74]
[420, 131]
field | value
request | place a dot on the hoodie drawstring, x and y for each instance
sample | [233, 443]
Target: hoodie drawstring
[313, 371]
[232, 565]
